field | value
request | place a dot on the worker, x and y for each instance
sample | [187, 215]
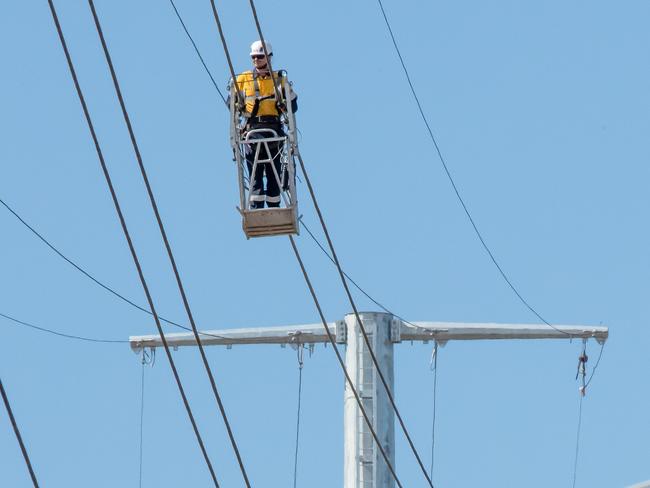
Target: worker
[262, 111]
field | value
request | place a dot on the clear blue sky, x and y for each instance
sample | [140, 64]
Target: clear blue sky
[542, 110]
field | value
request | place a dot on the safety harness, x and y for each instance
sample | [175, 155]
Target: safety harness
[257, 99]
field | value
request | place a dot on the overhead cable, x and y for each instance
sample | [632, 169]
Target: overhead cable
[362, 328]
[14, 424]
[196, 49]
[577, 449]
[61, 334]
[226, 51]
[329, 334]
[147, 359]
[300, 351]
[476, 230]
[455, 187]
[434, 367]
[170, 254]
[345, 286]
[593, 370]
[127, 235]
[278, 96]
[332, 341]
[315, 239]
[354, 283]
[93, 278]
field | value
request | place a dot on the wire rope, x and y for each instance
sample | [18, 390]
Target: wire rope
[300, 351]
[278, 97]
[217, 19]
[582, 374]
[332, 341]
[364, 333]
[366, 339]
[165, 239]
[455, 187]
[318, 243]
[368, 421]
[61, 334]
[90, 276]
[196, 49]
[14, 424]
[330, 337]
[436, 350]
[127, 236]
[577, 450]
[144, 361]
[462, 202]
[354, 283]
[593, 370]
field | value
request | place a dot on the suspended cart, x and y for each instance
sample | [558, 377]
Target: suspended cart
[261, 142]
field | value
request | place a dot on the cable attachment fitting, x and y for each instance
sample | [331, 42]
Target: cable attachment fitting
[582, 368]
[149, 358]
[433, 362]
[300, 353]
[299, 346]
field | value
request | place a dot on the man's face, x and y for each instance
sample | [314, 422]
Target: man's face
[259, 61]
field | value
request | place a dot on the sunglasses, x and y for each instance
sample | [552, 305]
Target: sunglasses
[258, 56]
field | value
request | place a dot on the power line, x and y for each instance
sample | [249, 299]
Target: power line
[364, 333]
[127, 236]
[75, 265]
[354, 283]
[304, 271]
[313, 237]
[582, 374]
[61, 334]
[362, 328]
[141, 417]
[300, 352]
[593, 370]
[436, 349]
[90, 276]
[14, 424]
[453, 183]
[163, 234]
[466, 210]
[332, 341]
[196, 49]
[343, 280]
[146, 360]
[484, 244]
[266, 53]
[223, 41]
[577, 450]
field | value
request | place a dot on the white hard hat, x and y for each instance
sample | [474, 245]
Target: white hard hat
[258, 50]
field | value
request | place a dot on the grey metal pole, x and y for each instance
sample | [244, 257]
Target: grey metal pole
[364, 467]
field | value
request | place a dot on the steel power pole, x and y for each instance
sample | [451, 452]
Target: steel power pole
[363, 465]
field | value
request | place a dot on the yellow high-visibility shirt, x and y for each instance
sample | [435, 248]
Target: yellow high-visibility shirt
[265, 92]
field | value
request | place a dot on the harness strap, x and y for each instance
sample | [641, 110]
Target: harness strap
[258, 99]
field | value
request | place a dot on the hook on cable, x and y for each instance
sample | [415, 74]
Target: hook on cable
[582, 368]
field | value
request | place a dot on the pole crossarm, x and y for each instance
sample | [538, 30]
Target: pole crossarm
[458, 331]
[400, 331]
[289, 334]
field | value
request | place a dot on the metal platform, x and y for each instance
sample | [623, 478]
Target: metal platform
[269, 222]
